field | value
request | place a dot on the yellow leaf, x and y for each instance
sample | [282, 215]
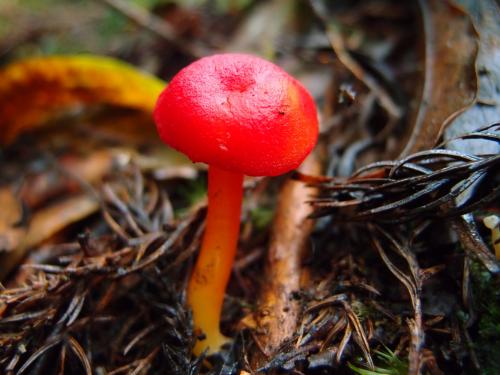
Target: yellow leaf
[39, 89]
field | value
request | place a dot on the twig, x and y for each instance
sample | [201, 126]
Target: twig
[473, 243]
[279, 312]
[425, 184]
[156, 25]
[360, 336]
[413, 284]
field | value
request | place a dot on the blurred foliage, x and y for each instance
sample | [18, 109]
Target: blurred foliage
[98, 29]
[262, 216]
[223, 6]
[191, 194]
[75, 27]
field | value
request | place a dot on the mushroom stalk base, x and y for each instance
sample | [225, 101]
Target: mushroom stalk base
[213, 267]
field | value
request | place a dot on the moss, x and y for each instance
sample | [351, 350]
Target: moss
[388, 364]
[189, 194]
[487, 297]
[261, 217]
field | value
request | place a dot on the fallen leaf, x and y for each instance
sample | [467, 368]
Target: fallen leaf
[10, 214]
[72, 172]
[450, 80]
[36, 90]
[47, 222]
[486, 17]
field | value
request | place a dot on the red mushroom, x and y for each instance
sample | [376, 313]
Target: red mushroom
[242, 115]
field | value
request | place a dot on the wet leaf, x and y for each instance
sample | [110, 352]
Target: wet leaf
[37, 90]
[486, 18]
[450, 82]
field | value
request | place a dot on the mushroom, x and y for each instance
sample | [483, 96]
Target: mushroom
[241, 115]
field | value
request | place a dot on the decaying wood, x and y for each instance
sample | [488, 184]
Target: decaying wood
[278, 312]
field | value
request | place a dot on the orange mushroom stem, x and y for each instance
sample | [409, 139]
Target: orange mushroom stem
[213, 268]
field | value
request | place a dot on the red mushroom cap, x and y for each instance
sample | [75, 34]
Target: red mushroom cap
[240, 113]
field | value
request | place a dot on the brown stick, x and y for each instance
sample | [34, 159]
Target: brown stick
[278, 310]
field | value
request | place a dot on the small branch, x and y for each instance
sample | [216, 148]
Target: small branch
[413, 284]
[279, 312]
[425, 184]
[473, 243]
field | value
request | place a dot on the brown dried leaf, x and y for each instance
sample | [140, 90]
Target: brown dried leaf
[450, 80]
[47, 222]
[71, 171]
[486, 17]
[10, 214]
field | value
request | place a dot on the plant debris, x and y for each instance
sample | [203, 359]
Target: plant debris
[96, 304]
[425, 184]
[100, 224]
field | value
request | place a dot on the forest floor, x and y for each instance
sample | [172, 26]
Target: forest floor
[390, 228]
